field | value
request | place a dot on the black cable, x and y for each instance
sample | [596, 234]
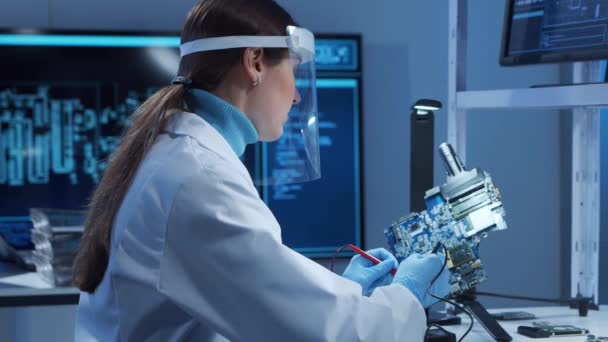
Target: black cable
[445, 261]
[461, 309]
[333, 260]
[428, 328]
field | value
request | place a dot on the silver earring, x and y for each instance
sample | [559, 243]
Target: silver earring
[257, 81]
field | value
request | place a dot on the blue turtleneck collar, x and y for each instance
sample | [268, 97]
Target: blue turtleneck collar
[228, 120]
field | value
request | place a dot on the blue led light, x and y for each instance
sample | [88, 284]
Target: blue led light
[14, 218]
[337, 83]
[88, 41]
[528, 15]
[329, 83]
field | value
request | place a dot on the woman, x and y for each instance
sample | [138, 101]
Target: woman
[178, 246]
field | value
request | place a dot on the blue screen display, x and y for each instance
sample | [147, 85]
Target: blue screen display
[320, 216]
[541, 26]
[65, 99]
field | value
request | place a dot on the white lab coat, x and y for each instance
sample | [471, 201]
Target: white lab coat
[197, 256]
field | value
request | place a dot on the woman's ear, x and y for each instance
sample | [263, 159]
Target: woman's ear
[253, 64]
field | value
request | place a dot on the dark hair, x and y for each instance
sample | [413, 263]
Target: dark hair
[208, 18]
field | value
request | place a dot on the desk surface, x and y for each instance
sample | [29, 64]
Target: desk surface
[596, 322]
[24, 294]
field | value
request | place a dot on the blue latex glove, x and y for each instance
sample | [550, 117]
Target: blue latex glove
[416, 273]
[368, 275]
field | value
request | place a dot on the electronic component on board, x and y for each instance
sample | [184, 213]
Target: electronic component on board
[459, 214]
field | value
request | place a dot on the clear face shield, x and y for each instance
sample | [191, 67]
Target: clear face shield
[295, 157]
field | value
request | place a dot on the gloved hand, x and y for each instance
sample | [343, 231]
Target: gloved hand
[416, 273]
[368, 275]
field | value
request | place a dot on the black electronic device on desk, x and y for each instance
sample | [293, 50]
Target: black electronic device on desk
[544, 329]
[513, 315]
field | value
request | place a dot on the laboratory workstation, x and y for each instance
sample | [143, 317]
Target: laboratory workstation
[320, 170]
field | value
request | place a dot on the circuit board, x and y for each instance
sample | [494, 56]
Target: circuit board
[459, 214]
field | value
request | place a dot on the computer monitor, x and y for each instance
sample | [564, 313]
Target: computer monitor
[65, 97]
[318, 217]
[64, 100]
[551, 31]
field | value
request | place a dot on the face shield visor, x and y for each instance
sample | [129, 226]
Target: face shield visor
[294, 157]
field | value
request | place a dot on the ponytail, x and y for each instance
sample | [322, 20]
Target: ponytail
[92, 257]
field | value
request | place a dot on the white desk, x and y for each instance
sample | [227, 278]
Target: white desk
[596, 322]
[18, 288]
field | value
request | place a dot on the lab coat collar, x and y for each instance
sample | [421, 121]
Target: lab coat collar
[192, 125]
